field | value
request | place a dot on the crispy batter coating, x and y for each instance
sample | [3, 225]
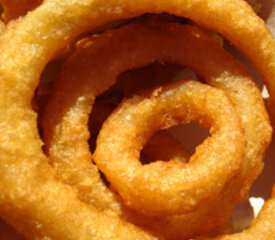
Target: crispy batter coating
[27, 46]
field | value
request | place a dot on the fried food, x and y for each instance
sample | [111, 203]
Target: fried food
[90, 55]
[231, 77]
[32, 198]
[137, 119]
[67, 145]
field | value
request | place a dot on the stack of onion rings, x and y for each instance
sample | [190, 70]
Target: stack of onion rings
[30, 187]
[88, 52]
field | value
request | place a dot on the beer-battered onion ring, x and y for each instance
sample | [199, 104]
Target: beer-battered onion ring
[17, 8]
[35, 39]
[134, 122]
[85, 68]
[261, 228]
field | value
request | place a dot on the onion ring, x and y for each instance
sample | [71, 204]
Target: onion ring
[26, 44]
[236, 82]
[67, 85]
[166, 108]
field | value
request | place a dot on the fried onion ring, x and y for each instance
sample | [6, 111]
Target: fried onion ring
[227, 77]
[234, 79]
[24, 55]
[136, 120]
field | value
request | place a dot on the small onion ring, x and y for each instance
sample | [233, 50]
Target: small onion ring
[136, 120]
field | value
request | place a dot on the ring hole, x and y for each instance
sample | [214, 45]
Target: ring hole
[190, 135]
[186, 138]
[163, 146]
